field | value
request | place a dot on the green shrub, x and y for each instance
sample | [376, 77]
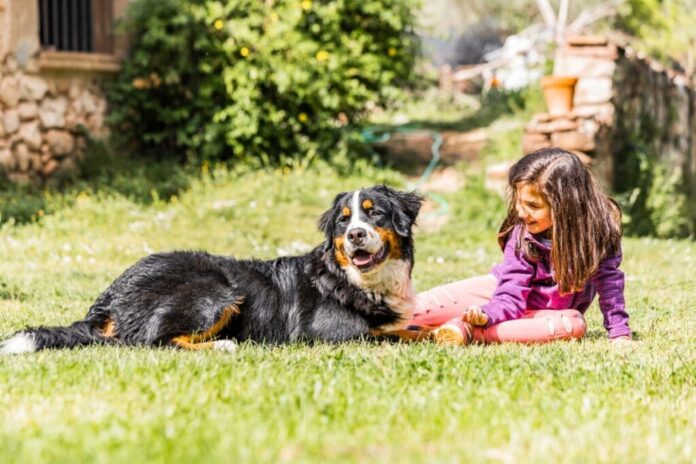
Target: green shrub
[653, 198]
[663, 28]
[263, 82]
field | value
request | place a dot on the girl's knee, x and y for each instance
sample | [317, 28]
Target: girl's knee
[572, 313]
[573, 323]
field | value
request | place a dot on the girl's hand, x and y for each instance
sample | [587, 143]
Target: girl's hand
[474, 315]
[625, 340]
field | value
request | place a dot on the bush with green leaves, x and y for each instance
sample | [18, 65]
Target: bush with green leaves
[260, 81]
[653, 196]
[664, 29]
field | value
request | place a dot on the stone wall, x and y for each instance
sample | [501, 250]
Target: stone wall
[656, 107]
[623, 99]
[586, 130]
[48, 99]
[43, 117]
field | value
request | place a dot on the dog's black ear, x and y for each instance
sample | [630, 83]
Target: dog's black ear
[405, 207]
[327, 222]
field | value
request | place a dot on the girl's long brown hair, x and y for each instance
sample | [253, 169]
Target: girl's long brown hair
[586, 222]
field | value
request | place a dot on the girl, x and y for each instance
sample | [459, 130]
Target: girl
[561, 244]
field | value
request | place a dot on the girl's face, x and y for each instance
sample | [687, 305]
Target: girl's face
[533, 209]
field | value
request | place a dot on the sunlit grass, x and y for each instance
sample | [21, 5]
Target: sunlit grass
[358, 402]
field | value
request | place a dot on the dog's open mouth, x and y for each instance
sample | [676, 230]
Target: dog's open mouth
[365, 261]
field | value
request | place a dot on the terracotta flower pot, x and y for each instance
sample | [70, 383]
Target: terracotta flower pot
[558, 92]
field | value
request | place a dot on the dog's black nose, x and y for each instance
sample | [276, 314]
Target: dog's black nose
[357, 235]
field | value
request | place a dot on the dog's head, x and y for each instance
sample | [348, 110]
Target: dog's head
[366, 229]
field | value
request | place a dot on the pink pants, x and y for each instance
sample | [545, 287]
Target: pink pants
[446, 303]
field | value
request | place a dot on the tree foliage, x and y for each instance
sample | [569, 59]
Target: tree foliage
[666, 28]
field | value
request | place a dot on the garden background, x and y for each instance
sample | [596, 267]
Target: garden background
[234, 124]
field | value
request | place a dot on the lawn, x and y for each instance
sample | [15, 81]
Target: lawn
[357, 402]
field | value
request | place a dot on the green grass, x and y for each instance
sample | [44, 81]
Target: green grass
[436, 110]
[358, 402]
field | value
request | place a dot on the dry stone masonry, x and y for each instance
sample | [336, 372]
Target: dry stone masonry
[43, 119]
[656, 107]
[50, 97]
[622, 98]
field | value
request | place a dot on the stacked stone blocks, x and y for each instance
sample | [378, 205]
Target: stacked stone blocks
[621, 96]
[43, 119]
[593, 62]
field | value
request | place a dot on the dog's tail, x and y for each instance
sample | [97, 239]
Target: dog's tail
[93, 329]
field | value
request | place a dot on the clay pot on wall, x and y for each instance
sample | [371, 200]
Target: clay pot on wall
[558, 93]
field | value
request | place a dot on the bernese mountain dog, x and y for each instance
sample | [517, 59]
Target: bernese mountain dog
[356, 284]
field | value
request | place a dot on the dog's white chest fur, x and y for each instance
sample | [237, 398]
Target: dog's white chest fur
[391, 283]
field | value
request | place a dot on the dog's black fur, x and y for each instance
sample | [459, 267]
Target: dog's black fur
[190, 298]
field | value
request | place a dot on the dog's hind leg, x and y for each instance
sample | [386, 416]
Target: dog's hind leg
[219, 345]
[205, 340]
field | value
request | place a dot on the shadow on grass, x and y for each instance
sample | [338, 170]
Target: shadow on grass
[602, 335]
[100, 171]
[595, 335]
[11, 291]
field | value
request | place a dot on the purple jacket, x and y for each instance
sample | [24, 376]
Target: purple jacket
[523, 284]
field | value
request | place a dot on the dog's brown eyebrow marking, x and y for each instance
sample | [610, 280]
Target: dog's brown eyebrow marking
[346, 211]
[367, 204]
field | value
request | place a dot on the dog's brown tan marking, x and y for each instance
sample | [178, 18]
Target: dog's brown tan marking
[345, 211]
[367, 204]
[185, 343]
[201, 340]
[405, 335]
[108, 330]
[390, 237]
[341, 257]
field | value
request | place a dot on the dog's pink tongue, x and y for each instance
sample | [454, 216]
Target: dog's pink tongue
[361, 259]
